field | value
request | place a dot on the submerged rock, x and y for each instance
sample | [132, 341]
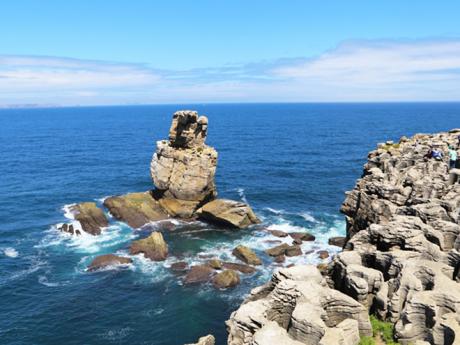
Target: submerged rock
[153, 247]
[91, 217]
[179, 267]
[229, 213]
[106, 260]
[278, 233]
[246, 255]
[246, 269]
[135, 209]
[226, 279]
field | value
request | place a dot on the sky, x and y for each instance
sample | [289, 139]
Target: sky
[104, 52]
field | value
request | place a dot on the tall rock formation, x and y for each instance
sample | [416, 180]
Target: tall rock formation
[183, 167]
[401, 261]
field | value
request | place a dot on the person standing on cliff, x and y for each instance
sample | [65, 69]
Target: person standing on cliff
[452, 157]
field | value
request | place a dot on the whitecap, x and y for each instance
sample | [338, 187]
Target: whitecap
[86, 243]
[240, 192]
[116, 334]
[274, 211]
[68, 213]
[308, 217]
[44, 281]
[10, 252]
[35, 265]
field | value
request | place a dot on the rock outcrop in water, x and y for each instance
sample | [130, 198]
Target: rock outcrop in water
[401, 261]
[182, 170]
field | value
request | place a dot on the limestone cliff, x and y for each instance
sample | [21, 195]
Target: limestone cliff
[401, 261]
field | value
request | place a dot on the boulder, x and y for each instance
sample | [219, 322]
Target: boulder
[302, 236]
[280, 259]
[226, 279]
[91, 217]
[215, 263]
[198, 274]
[183, 167]
[323, 254]
[338, 241]
[179, 208]
[278, 250]
[246, 255]
[135, 209]
[228, 213]
[207, 340]
[284, 249]
[153, 247]
[294, 250]
[103, 261]
[278, 233]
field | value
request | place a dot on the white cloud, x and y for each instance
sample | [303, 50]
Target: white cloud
[354, 71]
[382, 65]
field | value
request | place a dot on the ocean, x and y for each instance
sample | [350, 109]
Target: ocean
[291, 162]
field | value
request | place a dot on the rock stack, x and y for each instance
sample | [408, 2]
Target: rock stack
[183, 167]
[401, 261]
[182, 171]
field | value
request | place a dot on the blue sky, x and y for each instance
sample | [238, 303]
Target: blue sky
[141, 52]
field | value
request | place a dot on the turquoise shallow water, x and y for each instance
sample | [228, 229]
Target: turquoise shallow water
[291, 162]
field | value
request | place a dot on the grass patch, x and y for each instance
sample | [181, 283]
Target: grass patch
[382, 329]
[388, 147]
[366, 341]
[385, 329]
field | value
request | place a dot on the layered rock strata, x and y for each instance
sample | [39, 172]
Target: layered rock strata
[401, 261]
[183, 167]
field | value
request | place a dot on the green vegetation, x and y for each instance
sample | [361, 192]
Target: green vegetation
[388, 147]
[367, 341]
[382, 329]
[385, 329]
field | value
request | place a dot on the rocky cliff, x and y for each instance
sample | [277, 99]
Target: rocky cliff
[401, 261]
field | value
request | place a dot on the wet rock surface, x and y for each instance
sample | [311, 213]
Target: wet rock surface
[246, 255]
[153, 247]
[103, 261]
[226, 279]
[199, 274]
[135, 209]
[91, 217]
[228, 213]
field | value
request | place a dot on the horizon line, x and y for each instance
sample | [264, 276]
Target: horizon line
[57, 106]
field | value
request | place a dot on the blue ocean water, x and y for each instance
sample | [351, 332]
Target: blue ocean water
[291, 162]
